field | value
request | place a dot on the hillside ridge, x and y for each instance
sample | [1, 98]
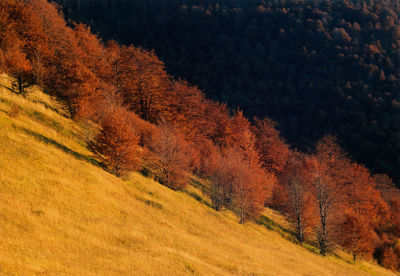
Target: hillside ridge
[61, 214]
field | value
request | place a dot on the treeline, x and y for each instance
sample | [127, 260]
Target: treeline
[315, 67]
[148, 120]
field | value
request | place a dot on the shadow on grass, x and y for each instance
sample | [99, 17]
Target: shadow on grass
[146, 172]
[272, 225]
[197, 197]
[63, 113]
[9, 89]
[287, 234]
[311, 248]
[150, 202]
[343, 259]
[5, 101]
[198, 185]
[65, 149]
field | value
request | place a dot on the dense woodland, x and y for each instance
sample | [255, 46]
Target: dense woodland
[152, 122]
[315, 67]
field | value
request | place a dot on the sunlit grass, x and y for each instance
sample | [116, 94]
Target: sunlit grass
[60, 214]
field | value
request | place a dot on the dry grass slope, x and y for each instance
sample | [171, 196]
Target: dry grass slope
[60, 214]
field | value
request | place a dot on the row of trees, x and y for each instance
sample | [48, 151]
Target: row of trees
[316, 67]
[147, 119]
[328, 195]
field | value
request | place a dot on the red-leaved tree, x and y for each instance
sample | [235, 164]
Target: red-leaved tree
[171, 158]
[116, 144]
[273, 149]
[296, 198]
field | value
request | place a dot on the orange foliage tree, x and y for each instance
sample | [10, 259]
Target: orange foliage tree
[8, 11]
[59, 55]
[249, 186]
[140, 78]
[94, 67]
[240, 184]
[388, 252]
[325, 169]
[389, 256]
[356, 235]
[325, 194]
[239, 181]
[19, 67]
[273, 149]
[171, 163]
[186, 110]
[297, 197]
[116, 144]
[362, 206]
[14, 15]
[221, 178]
[217, 116]
[391, 195]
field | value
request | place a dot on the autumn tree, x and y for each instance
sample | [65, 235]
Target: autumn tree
[241, 136]
[15, 14]
[116, 144]
[58, 60]
[140, 77]
[93, 52]
[94, 64]
[273, 149]
[150, 83]
[243, 179]
[356, 235]
[296, 199]
[388, 252]
[186, 109]
[171, 163]
[325, 169]
[388, 255]
[218, 122]
[209, 158]
[362, 206]
[221, 179]
[7, 25]
[250, 185]
[19, 67]
[325, 200]
[32, 29]
[240, 184]
[391, 195]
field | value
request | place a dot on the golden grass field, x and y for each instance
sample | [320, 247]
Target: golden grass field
[60, 214]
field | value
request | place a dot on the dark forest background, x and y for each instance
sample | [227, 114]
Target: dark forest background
[316, 67]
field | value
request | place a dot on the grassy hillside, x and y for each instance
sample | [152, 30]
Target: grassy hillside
[60, 214]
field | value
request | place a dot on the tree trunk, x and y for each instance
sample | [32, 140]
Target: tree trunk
[20, 86]
[242, 219]
[300, 234]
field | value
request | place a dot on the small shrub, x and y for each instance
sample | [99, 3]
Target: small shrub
[15, 111]
[154, 204]
[197, 197]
